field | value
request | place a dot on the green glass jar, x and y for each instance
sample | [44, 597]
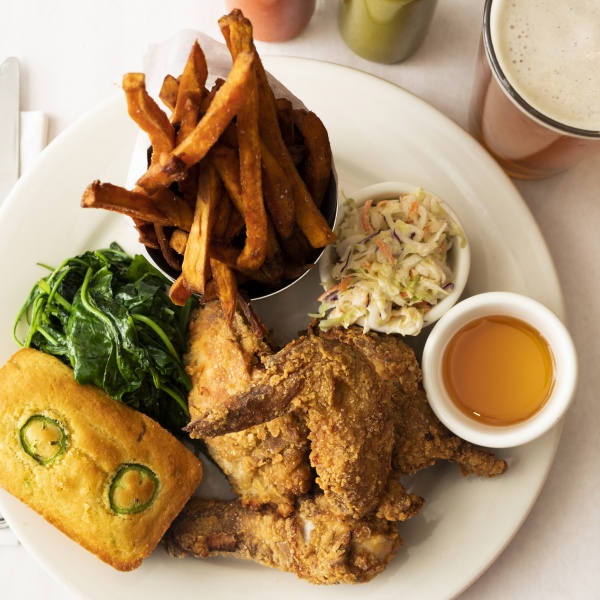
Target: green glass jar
[385, 31]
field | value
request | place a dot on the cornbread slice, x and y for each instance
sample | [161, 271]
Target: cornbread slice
[109, 477]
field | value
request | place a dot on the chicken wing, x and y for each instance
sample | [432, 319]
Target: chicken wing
[346, 407]
[312, 542]
[420, 438]
[264, 464]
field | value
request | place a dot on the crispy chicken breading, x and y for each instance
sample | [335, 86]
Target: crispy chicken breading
[312, 542]
[345, 405]
[266, 463]
[350, 446]
[420, 438]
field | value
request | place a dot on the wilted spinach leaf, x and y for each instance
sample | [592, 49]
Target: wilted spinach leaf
[109, 317]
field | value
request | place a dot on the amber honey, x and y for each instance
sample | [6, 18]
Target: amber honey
[498, 370]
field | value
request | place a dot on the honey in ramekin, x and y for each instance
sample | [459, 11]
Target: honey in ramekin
[498, 370]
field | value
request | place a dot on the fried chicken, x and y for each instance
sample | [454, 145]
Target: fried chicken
[345, 405]
[420, 438]
[312, 542]
[264, 464]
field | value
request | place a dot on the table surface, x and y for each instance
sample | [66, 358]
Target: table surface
[73, 55]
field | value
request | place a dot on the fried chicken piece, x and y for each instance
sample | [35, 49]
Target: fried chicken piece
[421, 438]
[312, 542]
[345, 405]
[266, 463]
[397, 504]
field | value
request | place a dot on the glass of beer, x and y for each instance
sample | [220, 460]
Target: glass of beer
[536, 97]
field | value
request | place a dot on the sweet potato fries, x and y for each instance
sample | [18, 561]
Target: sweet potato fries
[235, 176]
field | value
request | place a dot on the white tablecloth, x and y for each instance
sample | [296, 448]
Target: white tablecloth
[73, 55]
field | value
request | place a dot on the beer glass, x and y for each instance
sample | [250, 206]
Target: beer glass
[536, 98]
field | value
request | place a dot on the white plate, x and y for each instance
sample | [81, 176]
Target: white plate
[379, 132]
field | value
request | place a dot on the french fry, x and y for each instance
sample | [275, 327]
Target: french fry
[317, 166]
[308, 217]
[225, 105]
[189, 120]
[229, 136]
[297, 154]
[146, 234]
[188, 186]
[168, 254]
[169, 91]
[277, 192]
[226, 253]
[226, 285]
[255, 248]
[178, 241]
[211, 292]
[195, 265]
[147, 114]
[235, 176]
[178, 292]
[177, 211]
[211, 94]
[164, 170]
[285, 117]
[227, 164]
[237, 32]
[164, 208]
[190, 93]
[229, 222]
[192, 84]
[222, 215]
[235, 226]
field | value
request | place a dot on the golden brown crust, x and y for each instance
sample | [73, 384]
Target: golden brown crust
[72, 492]
[317, 545]
[421, 438]
[347, 409]
[267, 463]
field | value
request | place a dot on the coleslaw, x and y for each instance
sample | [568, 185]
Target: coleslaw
[392, 264]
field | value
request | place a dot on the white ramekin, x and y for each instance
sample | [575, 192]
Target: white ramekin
[539, 317]
[459, 257]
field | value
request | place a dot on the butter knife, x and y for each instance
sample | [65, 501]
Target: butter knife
[9, 125]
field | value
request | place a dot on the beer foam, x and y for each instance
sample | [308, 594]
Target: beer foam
[549, 51]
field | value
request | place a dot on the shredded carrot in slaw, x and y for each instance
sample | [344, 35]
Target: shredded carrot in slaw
[364, 217]
[342, 286]
[385, 250]
[392, 264]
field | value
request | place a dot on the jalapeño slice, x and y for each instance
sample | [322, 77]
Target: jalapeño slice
[43, 438]
[133, 489]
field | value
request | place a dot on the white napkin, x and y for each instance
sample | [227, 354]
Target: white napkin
[34, 135]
